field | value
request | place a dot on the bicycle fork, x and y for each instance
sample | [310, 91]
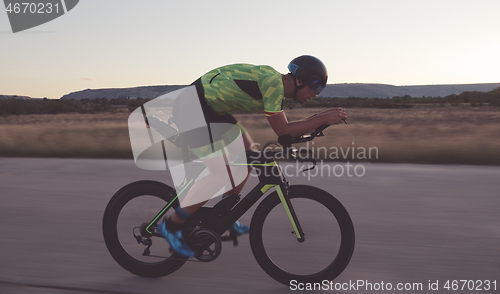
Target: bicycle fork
[282, 190]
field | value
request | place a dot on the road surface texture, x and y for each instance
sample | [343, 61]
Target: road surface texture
[417, 227]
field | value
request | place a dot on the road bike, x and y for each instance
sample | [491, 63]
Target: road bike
[297, 232]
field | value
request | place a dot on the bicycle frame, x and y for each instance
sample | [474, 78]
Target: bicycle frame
[270, 177]
[265, 164]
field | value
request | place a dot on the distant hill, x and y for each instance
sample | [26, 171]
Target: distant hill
[133, 93]
[15, 97]
[332, 90]
[388, 91]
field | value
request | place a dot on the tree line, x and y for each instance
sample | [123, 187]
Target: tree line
[55, 106]
[469, 98]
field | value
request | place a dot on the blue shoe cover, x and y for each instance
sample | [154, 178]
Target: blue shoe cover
[240, 228]
[176, 240]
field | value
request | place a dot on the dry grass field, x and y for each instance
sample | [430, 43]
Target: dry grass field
[458, 135]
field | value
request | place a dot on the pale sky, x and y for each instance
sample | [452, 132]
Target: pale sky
[125, 43]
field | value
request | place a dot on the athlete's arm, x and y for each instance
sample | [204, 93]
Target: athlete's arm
[281, 125]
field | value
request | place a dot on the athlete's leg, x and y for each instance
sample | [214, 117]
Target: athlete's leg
[197, 195]
[249, 146]
[210, 184]
[203, 188]
[238, 227]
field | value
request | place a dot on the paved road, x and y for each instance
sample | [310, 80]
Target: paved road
[414, 224]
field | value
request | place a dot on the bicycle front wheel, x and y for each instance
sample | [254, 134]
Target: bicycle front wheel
[326, 225]
[137, 251]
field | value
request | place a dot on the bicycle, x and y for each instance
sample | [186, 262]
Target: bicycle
[316, 248]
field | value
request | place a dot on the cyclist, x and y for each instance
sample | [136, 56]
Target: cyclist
[253, 88]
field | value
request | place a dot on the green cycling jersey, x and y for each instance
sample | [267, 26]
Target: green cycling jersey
[252, 88]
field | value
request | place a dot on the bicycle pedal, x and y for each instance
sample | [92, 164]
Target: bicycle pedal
[230, 238]
[234, 235]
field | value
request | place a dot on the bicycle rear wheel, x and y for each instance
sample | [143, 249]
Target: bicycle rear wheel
[328, 231]
[132, 206]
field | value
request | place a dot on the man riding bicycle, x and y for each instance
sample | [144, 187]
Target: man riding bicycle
[252, 88]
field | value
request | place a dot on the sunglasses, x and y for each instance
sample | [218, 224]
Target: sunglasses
[316, 85]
